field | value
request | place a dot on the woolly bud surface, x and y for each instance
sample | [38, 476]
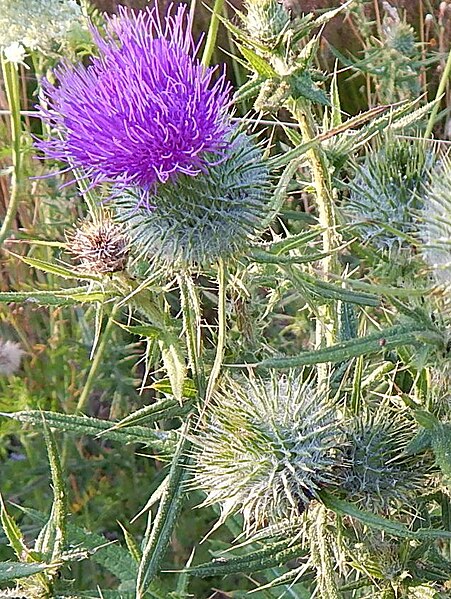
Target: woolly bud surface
[267, 448]
[143, 111]
[387, 190]
[197, 220]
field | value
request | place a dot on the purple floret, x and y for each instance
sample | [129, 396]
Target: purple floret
[143, 111]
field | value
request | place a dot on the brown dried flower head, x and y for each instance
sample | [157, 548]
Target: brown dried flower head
[99, 247]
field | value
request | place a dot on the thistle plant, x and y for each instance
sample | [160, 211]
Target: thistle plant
[207, 311]
[289, 447]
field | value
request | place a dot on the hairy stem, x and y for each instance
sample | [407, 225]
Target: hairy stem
[327, 325]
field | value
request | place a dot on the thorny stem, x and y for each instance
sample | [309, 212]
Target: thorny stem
[191, 317]
[326, 324]
[12, 89]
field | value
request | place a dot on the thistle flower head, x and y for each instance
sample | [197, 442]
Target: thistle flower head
[381, 473]
[267, 449]
[435, 228]
[38, 24]
[197, 220]
[387, 191]
[145, 110]
[10, 357]
[99, 247]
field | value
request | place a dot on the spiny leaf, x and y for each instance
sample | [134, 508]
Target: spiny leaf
[14, 570]
[397, 529]
[382, 340]
[60, 297]
[275, 554]
[157, 536]
[160, 441]
[160, 410]
[56, 269]
[13, 532]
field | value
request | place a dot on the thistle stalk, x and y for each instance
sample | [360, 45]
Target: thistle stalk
[327, 325]
[12, 89]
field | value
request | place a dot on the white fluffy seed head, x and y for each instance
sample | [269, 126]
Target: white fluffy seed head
[10, 357]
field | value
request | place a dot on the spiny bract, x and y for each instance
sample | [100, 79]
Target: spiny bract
[267, 448]
[198, 220]
[381, 473]
[99, 247]
[387, 190]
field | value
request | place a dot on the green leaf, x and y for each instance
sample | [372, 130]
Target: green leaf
[164, 386]
[156, 539]
[274, 554]
[397, 529]
[13, 532]
[60, 297]
[389, 338]
[259, 64]
[160, 410]
[132, 545]
[56, 269]
[160, 441]
[302, 86]
[14, 570]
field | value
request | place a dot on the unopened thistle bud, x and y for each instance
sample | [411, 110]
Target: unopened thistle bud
[388, 189]
[99, 247]
[381, 473]
[267, 449]
[10, 357]
[194, 221]
[266, 20]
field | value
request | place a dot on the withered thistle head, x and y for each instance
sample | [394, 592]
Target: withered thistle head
[99, 247]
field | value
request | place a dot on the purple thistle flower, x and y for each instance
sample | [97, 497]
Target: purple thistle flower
[142, 112]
